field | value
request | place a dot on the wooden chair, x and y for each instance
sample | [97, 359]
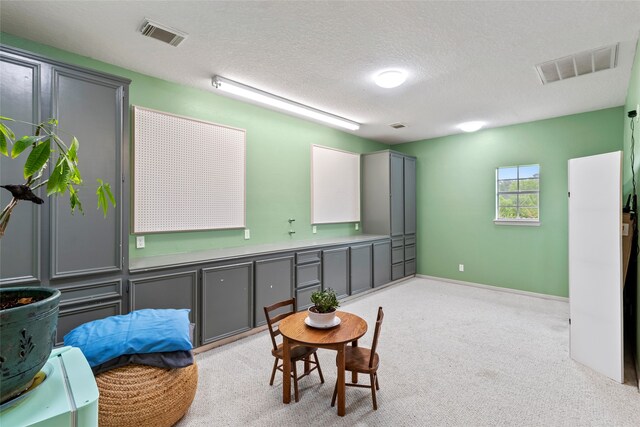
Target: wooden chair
[364, 361]
[298, 352]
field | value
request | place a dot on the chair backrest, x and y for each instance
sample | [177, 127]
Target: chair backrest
[272, 322]
[376, 334]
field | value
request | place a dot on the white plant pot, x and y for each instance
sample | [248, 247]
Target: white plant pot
[321, 319]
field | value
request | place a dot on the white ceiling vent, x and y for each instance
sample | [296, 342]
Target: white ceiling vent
[398, 125]
[162, 32]
[581, 63]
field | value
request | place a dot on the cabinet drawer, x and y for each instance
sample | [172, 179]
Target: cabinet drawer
[307, 275]
[397, 255]
[307, 257]
[410, 268]
[397, 242]
[410, 240]
[397, 271]
[303, 297]
[409, 252]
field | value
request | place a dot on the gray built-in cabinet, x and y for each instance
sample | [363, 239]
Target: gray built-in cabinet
[86, 256]
[389, 206]
[83, 255]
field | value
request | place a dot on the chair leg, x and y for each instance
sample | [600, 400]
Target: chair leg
[335, 394]
[377, 385]
[373, 391]
[273, 372]
[295, 379]
[307, 365]
[315, 356]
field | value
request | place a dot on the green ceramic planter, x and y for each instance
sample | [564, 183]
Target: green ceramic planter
[27, 334]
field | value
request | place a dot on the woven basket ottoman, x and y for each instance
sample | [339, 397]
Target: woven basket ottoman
[138, 396]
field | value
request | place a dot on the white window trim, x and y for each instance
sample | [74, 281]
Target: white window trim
[525, 222]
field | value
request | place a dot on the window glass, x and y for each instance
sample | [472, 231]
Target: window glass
[518, 192]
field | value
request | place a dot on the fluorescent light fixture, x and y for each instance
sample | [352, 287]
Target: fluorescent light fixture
[390, 78]
[256, 95]
[470, 126]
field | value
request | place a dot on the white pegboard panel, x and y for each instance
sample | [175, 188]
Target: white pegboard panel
[188, 174]
[335, 185]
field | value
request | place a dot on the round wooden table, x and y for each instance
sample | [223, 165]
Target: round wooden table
[295, 331]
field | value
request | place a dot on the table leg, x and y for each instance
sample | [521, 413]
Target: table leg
[286, 371]
[341, 379]
[354, 374]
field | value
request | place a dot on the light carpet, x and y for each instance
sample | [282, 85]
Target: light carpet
[451, 355]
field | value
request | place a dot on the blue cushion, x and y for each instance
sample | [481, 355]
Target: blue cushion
[141, 331]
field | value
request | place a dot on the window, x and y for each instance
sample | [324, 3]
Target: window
[518, 194]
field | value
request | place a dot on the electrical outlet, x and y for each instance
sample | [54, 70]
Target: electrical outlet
[314, 230]
[139, 242]
[460, 267]
[357, 226]
[247, 234]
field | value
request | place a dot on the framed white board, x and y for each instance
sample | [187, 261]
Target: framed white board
[335, 185]
[188, 174]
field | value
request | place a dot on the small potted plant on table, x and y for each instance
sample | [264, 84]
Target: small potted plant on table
[322, 313]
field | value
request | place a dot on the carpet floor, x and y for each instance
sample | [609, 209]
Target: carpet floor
[451, 355]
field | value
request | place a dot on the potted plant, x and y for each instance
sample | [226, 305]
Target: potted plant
[323, 311]
[29, 315]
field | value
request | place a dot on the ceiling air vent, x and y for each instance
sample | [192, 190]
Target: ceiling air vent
[398, 125]
[579, 64]
[162, 32]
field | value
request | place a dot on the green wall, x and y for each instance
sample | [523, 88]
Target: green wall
[633, 99]
[278, 158]
[456, 200]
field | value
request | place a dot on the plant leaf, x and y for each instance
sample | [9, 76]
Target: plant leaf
[54, 179]
[7, 119]
[3, 145]
[38, 157]
[53, 122]
[104, 193]
[23, 143]
[6, 136]
[73, 150]
[74, 200]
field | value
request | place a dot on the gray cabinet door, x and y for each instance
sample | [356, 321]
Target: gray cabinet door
[226, 304]
[273, 283]
[381, 263]
[409, 195]
[360, 267]
[396, 177]
[20, 246]
[335, 270]
[176, 290]
[72, 317]
[89, 107]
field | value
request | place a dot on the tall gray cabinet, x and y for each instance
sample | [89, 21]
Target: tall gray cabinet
[389, 205]
[85, 256]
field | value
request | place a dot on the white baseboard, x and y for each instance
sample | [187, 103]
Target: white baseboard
[495, 288]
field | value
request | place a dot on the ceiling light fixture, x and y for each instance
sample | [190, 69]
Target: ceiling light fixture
[470, 126]
[390, 78]
[259, 96]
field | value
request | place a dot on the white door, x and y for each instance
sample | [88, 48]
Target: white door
[595, 263]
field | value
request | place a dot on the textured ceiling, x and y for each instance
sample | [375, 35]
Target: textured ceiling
[466, 60]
